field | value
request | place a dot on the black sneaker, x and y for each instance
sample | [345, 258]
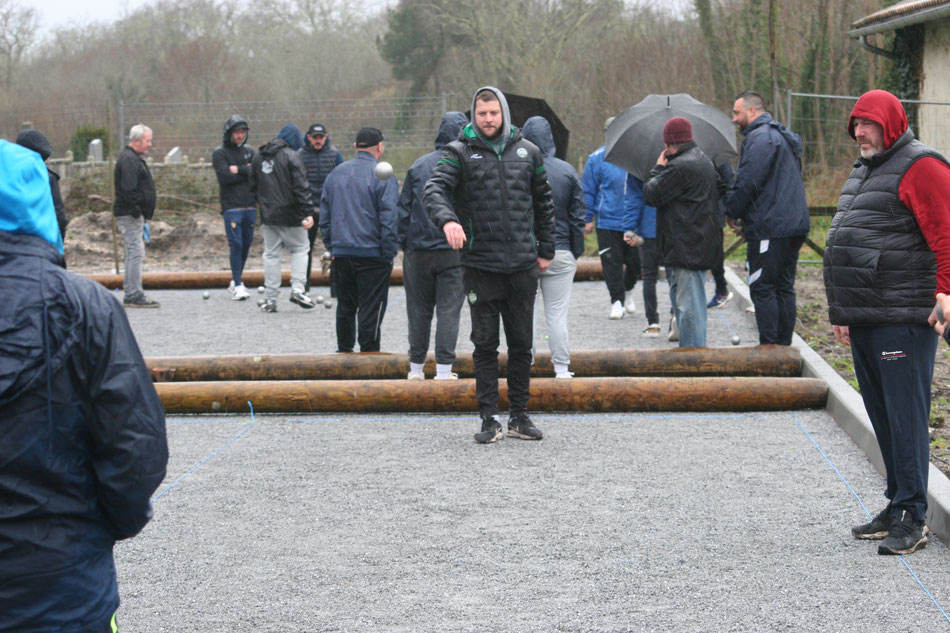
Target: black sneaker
[521, 427]
[877, 528]
[491, 430]
[139, 301]
[905, 535]
[301, 299]
[267, 305]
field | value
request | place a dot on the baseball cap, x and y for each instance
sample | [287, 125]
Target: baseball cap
[317, 129]
[369, 137]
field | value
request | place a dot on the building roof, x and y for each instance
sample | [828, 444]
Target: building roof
[905, 13]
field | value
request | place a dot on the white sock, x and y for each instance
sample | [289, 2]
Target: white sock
[416, 368]
[442, 371]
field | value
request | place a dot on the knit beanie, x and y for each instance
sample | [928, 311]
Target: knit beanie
[677, 131]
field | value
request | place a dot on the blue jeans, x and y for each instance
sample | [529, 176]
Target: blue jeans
[239, 227]
[688, 286]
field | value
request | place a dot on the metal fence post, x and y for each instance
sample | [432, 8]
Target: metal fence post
[121, 127]
[788, 108]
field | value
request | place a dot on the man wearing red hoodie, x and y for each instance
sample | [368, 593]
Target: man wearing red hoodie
[887, 255]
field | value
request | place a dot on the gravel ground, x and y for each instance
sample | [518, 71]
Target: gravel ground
[615, 522]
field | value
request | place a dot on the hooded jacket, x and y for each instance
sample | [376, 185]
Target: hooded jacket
[83, 429]
[879, 267]
[569, 210]
[416, 230]
[292, 135]
[603, 185]
[34, 140]
[319, 163]
[686, 195]
[498, 190]
[639, 217]
[235, 188]
[768, 194]
[358, 210]
[279, 181]
[134, 188]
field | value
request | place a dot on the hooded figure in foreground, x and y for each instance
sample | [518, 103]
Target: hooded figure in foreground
[887, 254]
[83, 430]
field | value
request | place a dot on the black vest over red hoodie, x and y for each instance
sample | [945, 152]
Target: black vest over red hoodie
[878, 267]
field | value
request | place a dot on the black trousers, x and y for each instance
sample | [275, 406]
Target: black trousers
[620, 261]
[510, 296]
[362, 286]
[312, 236]
[772, 287]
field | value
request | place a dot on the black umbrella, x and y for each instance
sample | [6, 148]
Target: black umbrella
[634, 138]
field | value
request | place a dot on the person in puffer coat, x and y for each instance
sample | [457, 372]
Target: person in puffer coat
[489, 194]
[886, 256]
[83, 430]
[569, 218]
[319, 157]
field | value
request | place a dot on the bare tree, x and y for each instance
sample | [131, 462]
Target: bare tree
[17, 32]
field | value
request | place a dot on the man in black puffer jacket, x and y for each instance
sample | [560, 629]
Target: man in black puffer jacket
[319, 157]
[279, 181]
[685, 187]
[232, 166]
[490, 195]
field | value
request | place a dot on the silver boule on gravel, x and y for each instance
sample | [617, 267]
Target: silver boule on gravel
[735, 339]
[319, 299]
[383, 170]
[260, 290]
[328, 304]
[205, 295]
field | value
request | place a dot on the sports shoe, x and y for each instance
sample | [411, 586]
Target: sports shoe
[521, 427]
[904, 536]
[629, 305]
[877, 528]
[491, 430]
[231, 287]
[239, 293]
[267, 305]
[674, 334]
[616, 310]
[302, 299]
[564, 374]
[651, 331]
[451, 376]
[414, 375]
[139, 301]
[718, 300]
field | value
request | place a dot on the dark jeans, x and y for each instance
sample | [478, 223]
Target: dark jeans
[650, 267]
[719, 273]
[512, 297]
[312, 236]
[615, 254]
[433, 282]
[239, 229]
[362, 285]
[772, 287]
[894, 366]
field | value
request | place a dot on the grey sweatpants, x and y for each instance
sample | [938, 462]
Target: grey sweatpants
[556, 284]
[276, 239]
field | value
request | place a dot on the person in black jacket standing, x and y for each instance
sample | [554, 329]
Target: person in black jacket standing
[431, 269]
[684, 187]
[232, 165]
[490, 195]
[279, 181]
[319, 158]
[134, 206]
[34, 140]
[84, 443]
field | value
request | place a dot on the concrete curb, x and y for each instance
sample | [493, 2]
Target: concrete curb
[847, 408]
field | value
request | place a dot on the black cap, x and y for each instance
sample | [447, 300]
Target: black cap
[317, 129]
[369, 137]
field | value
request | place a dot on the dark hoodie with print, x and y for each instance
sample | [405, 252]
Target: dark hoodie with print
[497, 190]
[279, 180]
[235, 188]
[416, 231]
[891, 231]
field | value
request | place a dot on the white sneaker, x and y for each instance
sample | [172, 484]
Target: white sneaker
[231, 287]
[616, 310]
[651, 331]
[451, 376]
[564, 374]
[240, 293]
[629, 305]
[674, 334]
[415, 376]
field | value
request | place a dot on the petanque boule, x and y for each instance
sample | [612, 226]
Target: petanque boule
[205, 295]
[735, 339]
[319, 299]
[328, 304]
[383, 170]
[260, 290]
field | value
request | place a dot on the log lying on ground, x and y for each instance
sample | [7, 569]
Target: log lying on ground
[762, 360]
[547, 394]
[586, 271]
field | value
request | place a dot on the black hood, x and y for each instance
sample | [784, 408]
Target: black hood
[34, 140]
[452, 123]
[234, 122]
[537, 130]
[274, 146]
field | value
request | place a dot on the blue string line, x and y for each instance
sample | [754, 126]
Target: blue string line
[726, 323]
[221, 448]
[858, 497]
